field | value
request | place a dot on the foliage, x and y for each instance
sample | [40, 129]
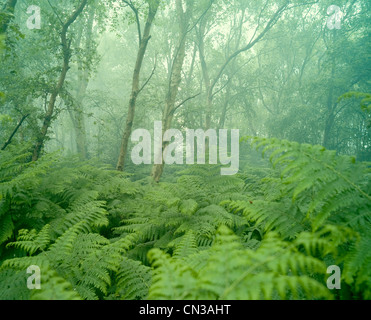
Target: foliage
[365, 102]
[263, 234]
[275, 270]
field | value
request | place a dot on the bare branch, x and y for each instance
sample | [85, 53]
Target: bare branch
[269, 25]
[149, 78]
[184, 101]
[14, 132]
[135, 10]
[56, 13]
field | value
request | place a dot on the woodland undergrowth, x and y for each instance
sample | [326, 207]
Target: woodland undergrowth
[269, 232]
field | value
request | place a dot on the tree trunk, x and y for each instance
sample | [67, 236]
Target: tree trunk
[153, 7]
[328, 128]
[66, 47]
[174, 82]
[77, 116]
[331, 106]
[49, 113]
[8, 142]
[205, 74]
[225, 108]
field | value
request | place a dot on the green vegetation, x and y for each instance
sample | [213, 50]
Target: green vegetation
[267, 234]
[99, 227]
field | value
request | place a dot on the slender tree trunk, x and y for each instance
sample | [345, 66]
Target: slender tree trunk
[331, 106]
[153, 7]
[225, 108]
[50, 111]
[174, 82]
[78, 121]
[328, 128]
[66, 47]
[205, 74]
[8, 142]
[83, 76]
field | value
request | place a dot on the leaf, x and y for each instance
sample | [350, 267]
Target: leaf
[188, 207]
[6, 227]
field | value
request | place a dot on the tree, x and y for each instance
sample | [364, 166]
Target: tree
[258, 35]
[86, 48]
[175, 78]
[66, 53]
[135, 91]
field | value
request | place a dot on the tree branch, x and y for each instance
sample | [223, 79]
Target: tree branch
[269, 25]
[149, 78]
[135, 10]
[55, 12]
[14, 132]
[184, 101]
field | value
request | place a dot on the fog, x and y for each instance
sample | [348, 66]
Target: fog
[176, 121]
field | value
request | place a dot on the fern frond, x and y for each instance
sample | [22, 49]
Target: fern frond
[280, 216]
[63, 246]
[6, 227]
[186, 246]
[30, 242]
[277, 269]
[327, 182]
[171, 279]
[92, 212]
[133, 280]
[54, 287]
[96, 269]
[13, 285]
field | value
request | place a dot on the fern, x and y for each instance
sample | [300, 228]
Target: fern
[13, 285]
[6, 227]
[133, 280]
[320, 181]
[172, 280]
[277, 269]
[31, 242]
[267, 233]
[54, 287]
[282, 216]
[357, 265]
[186, 247]
[166, 212]
[84, 260]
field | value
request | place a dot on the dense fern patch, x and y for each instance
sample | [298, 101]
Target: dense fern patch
[268, 233]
